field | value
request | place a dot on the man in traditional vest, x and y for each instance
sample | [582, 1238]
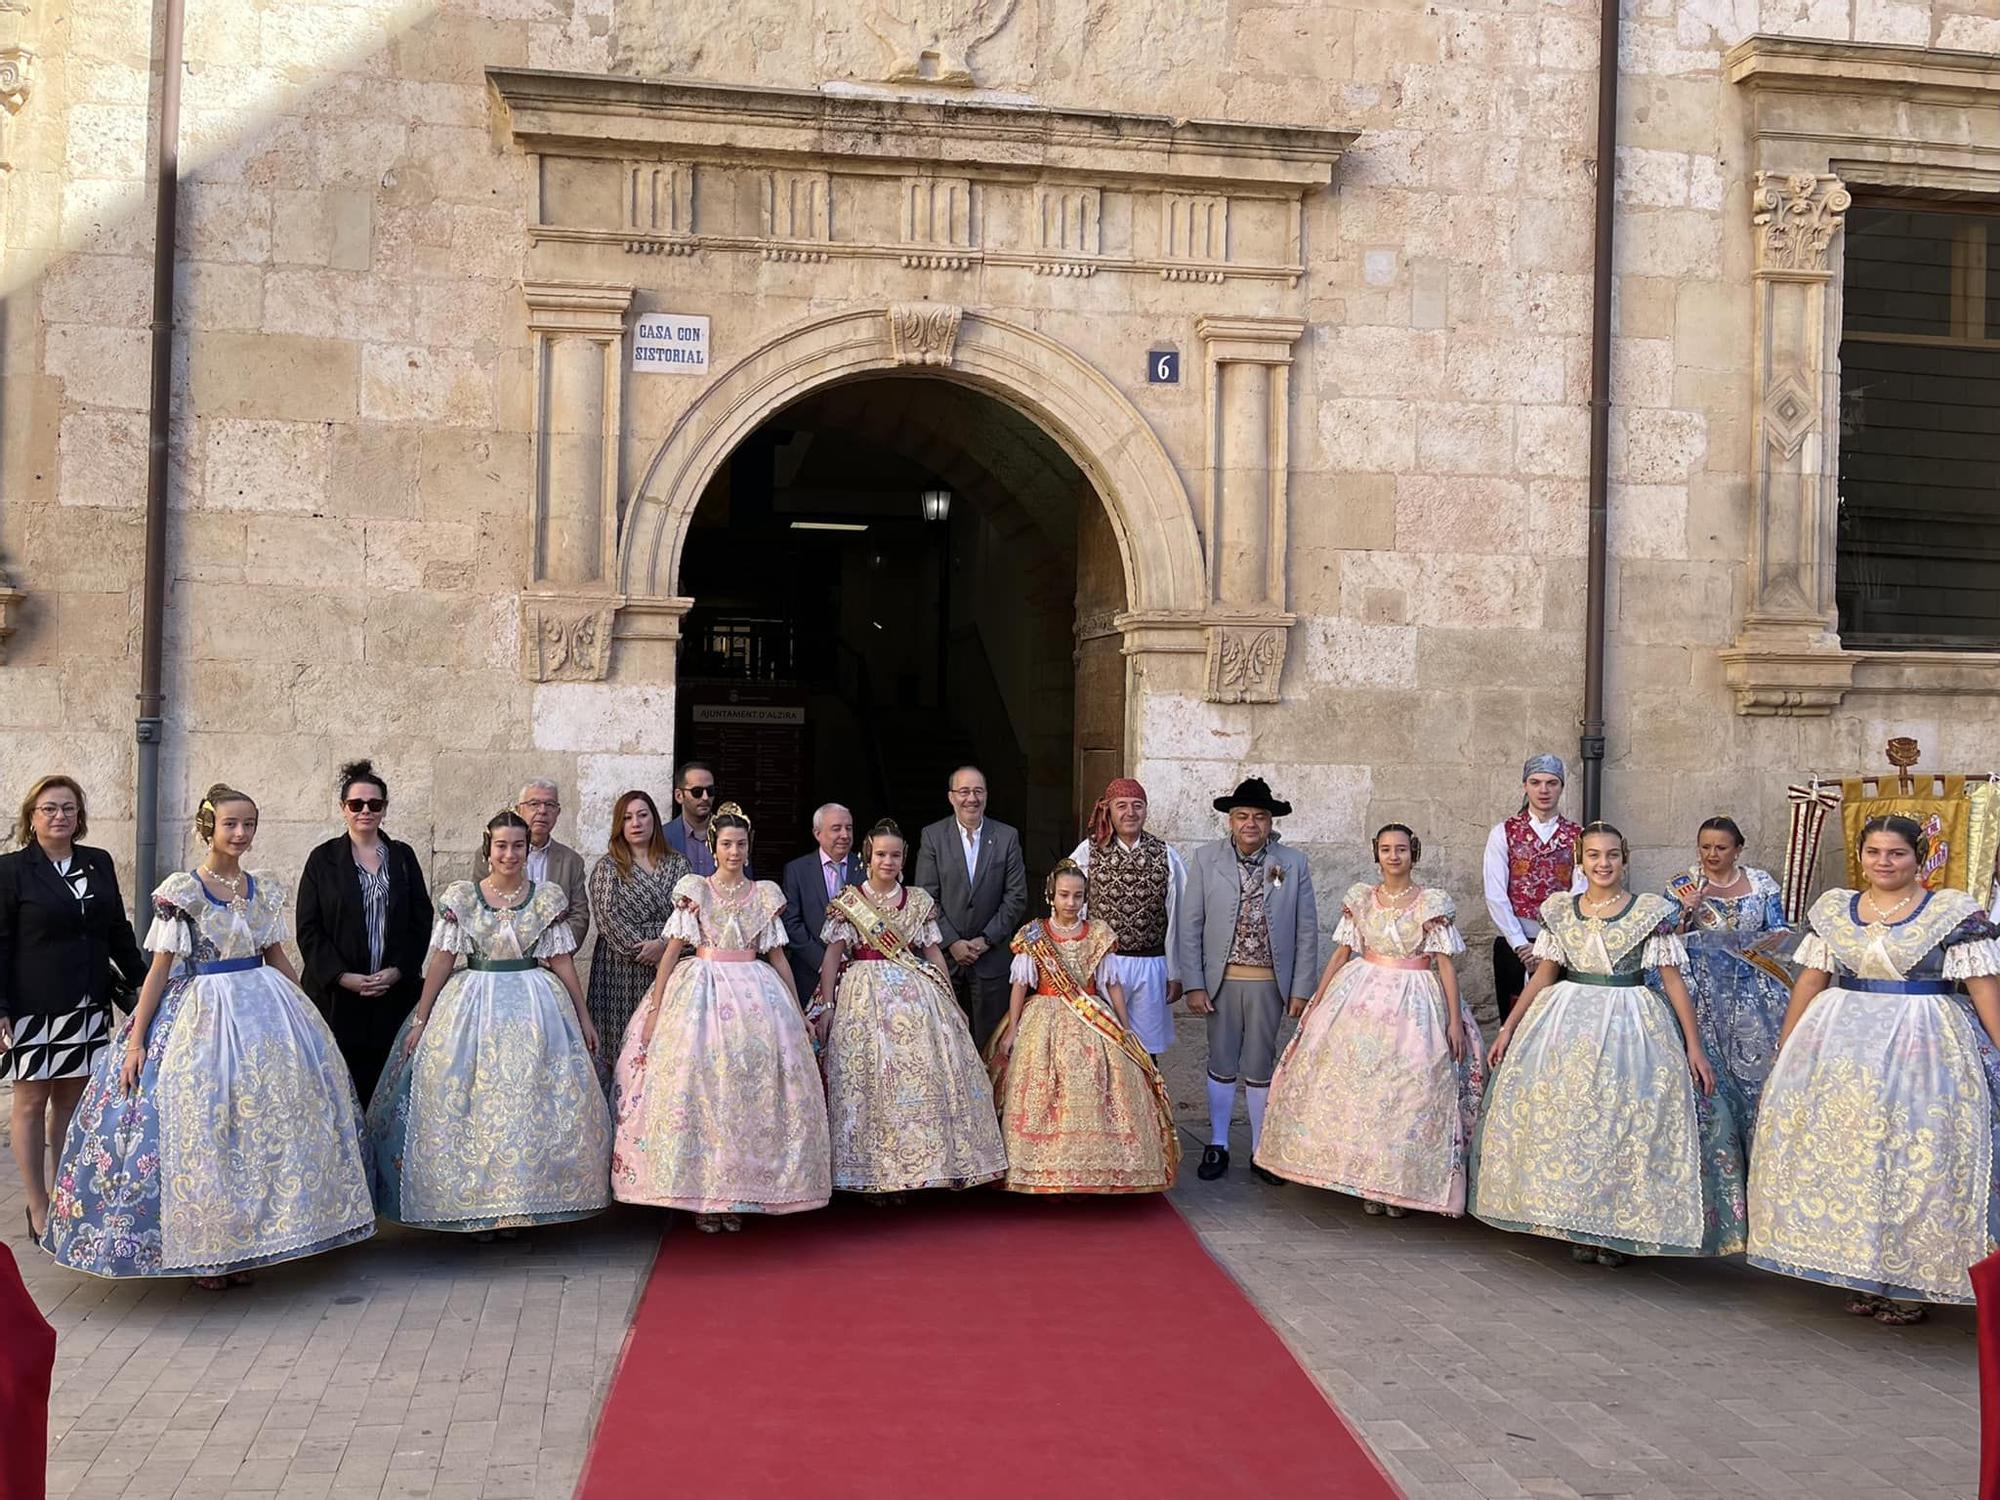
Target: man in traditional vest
[1135, 884]
[1247, 940]
[1529, 858]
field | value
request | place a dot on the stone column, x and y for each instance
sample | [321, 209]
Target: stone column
[568, 611]
[1787, 657]
[1245, 502]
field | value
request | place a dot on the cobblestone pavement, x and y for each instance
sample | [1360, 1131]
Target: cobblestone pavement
[1475, 1363]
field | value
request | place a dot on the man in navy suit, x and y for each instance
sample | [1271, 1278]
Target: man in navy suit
[811, 881]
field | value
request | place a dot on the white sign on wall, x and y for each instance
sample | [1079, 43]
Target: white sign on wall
[670, 344]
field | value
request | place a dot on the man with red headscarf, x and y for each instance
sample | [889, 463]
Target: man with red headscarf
[1135, 885]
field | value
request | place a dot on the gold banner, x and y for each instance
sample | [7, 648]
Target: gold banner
[1940, 804]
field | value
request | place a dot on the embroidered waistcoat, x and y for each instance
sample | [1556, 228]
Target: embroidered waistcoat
[1537, 871]
[1128, 890]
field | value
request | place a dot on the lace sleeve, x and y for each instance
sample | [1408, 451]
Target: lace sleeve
[1441, 936]
[1664, 950]
[1973, 949]
[774, 934]
[1023, 971]
[171, 932]
[557, 939]
[1814, 952]
[1549, 948]
[837, 929]
[684, 924]
[1345, 932]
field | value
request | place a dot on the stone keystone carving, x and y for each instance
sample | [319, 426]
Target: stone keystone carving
[931, 41]
[566, 640]
[923, 333]
[1796, 217]
[1244, 663]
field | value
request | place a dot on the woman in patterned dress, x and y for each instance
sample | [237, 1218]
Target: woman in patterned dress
[1874, 1166]
[221, 1133]
[908, 1100]
[63, 932]
[1378, 1093]
[1082, 1107]
[1732, 917]
[1602, 1126]
[720, 1110]
[631, 899]
[489, 1117]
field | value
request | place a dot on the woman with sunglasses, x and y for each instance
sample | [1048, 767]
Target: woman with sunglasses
[364, 919]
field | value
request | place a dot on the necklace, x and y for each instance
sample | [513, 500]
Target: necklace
[728, 892]
[1884, 918]
[1584, 904]
[233, 885]
[1402, 899]
[508, 900]
[1061, 931]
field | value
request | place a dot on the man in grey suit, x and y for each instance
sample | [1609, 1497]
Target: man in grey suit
[811, 882]
[1248, 938]
[972, 867]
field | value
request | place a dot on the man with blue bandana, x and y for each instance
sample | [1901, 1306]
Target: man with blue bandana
[1529, 858]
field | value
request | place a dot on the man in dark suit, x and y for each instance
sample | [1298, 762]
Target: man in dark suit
[972, 867]
[810, 882]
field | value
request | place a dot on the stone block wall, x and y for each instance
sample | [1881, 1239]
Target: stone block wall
[354, 400]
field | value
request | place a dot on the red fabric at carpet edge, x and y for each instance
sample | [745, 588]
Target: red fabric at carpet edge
[27, 1363]
[961, 1347]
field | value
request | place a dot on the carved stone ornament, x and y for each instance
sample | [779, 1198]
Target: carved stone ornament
[11, 600]
[923, 333]
[566, 640]
[931, 41]
[1797, 215]
[1245, 663]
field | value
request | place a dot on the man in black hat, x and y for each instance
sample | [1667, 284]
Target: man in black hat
[1248, 938]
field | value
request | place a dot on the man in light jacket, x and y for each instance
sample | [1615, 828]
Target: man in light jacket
[1247, 939]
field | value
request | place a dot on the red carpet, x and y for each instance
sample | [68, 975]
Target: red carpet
[1986, 1287]
[964, 1346]
[27, 1358]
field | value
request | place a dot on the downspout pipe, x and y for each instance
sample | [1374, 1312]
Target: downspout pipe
[1590, 750]
[152, 630]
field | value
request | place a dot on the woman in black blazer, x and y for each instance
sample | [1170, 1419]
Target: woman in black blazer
[62, 928]
[364, 922]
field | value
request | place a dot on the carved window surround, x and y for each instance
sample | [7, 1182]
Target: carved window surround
[1826, 117]
[1211, 201]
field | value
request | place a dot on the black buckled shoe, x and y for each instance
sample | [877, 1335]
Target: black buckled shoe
[1265, 1174]
[1214, 1162]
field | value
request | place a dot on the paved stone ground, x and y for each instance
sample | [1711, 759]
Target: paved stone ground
[1475, 1363]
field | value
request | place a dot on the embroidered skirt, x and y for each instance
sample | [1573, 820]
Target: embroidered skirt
[1368, 1099]
[239, 1148]
[1874, 1162]
[497, 1120]
[1594, 1131]
[1077, 1115]
[909, 1104]
[723, 1111]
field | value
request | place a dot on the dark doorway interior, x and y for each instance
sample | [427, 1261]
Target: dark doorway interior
[862, 664]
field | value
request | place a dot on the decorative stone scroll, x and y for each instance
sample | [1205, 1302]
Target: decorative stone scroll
[923, 333]
[931, 41]
[1245, 662]
[566, 640]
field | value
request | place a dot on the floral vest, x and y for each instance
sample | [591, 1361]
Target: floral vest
[1537, 871]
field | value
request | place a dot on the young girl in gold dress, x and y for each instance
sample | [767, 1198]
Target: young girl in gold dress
[1082, 1107]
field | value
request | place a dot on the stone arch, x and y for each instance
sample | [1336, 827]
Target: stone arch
[1073, 402]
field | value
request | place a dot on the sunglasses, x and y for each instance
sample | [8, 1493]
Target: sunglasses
[366, 804]
[698, 791]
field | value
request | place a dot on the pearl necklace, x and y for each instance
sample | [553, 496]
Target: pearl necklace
[1884, 918]
[1583, 905]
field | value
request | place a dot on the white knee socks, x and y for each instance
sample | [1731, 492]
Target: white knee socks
[1255, 1097]
[1221, 1105]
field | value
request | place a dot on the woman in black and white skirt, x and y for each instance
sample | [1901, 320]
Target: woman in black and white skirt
[63, 928]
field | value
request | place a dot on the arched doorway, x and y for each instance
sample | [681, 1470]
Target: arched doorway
[846, 642]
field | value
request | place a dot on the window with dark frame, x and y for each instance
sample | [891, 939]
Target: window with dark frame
[1919, 551]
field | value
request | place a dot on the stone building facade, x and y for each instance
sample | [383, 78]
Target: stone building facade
[426, 506]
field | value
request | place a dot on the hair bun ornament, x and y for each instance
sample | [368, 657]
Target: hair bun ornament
[731, 810]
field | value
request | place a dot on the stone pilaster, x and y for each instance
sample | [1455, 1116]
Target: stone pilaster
[579, 363]
[1787, 658]
[1245, 503]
